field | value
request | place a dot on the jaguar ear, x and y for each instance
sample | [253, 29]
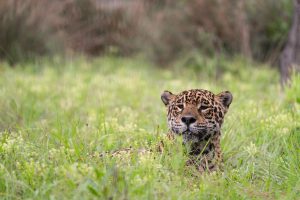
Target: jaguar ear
[166, 96]
[225, 98]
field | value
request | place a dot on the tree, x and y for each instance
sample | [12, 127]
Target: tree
[290, 56]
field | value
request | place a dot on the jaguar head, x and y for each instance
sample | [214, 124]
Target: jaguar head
[197, 112]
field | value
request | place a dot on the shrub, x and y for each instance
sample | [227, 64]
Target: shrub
[26, 29]
[98, 27]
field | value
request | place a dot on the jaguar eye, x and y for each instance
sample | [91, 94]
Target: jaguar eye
[180, 106]
[203, 107]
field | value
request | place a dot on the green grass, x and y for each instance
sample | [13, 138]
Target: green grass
[56, 117]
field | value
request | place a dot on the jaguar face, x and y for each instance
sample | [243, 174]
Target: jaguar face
[196, 113]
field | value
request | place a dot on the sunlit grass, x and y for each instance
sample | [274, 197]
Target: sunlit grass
[56, 118]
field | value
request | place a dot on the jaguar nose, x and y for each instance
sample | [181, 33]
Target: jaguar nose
[188, 119]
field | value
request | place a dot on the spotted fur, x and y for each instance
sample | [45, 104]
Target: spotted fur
[198, 115]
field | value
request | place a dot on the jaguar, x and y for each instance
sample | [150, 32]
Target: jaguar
[197, 115]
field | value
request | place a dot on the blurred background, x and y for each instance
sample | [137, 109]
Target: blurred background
[160, 30]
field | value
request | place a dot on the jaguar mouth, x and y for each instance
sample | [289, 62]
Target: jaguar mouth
[200, 135]
[190, 131]
[199, 132]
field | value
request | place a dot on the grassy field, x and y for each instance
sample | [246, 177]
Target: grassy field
[57, 117]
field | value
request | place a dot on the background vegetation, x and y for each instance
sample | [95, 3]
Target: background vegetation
[160, 30]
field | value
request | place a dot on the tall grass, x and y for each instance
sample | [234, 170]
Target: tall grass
[56, 118]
